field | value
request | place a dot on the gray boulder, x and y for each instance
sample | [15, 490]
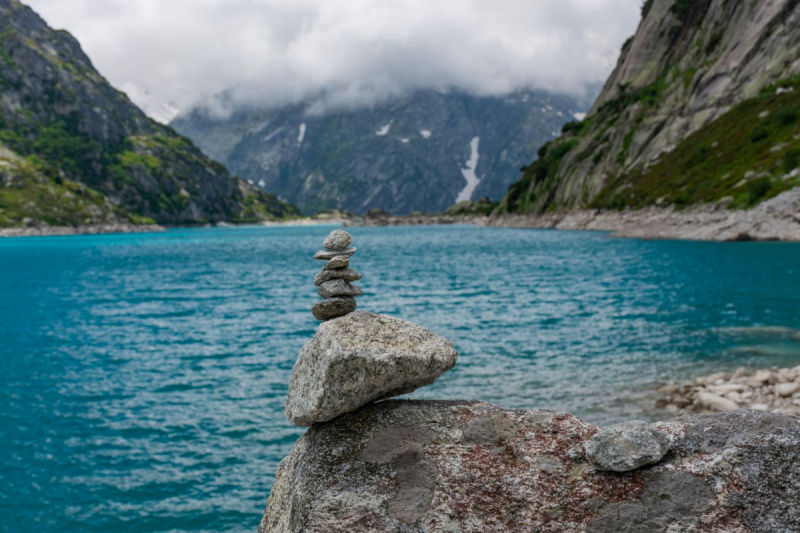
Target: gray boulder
[333, 307]
[470, 467]
[361, 358]
[627, 446]
[338, 287]
[338, 240]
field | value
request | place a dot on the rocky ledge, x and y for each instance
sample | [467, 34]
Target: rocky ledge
[469, 467]
[777, 219]
[775, 390]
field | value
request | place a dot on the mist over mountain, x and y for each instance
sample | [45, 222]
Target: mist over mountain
[360, 53]
[422, 152]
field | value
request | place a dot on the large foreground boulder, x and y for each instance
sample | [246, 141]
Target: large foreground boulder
[361, 358]
[468, 467]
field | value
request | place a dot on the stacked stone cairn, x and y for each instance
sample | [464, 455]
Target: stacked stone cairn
[334, 281]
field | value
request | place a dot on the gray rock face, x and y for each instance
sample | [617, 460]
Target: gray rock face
[753, 40]
[338, 240]
[627, 447]
[343, 161]
[333, 308]
[362, 358]
[346, 274]
[470, 467]
[337, 262]
[338, 287]
[327, 255]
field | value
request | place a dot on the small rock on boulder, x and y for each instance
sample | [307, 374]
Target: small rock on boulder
[362, 358]
[627, 446]
[334, 307]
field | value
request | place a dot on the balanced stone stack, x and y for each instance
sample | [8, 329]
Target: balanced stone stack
[334, 281]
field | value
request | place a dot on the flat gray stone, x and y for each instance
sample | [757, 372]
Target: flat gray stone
[362, 358]
[338, 287]
[338, 240]
[327, 255]
[337, 262]
[346, 274]
[333, 308]
[627, 446]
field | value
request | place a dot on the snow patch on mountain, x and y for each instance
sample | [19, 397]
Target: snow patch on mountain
[384, 130]
[425, 134]
[469, 172]
[302, 134]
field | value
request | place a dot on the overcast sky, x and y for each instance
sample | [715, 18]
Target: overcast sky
[272, 52]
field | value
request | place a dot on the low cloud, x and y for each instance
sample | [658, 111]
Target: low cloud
[343, 52]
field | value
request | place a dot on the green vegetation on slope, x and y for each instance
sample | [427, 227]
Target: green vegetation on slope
[749, 153]
[541, 172]
[31, 193]
[64, 124]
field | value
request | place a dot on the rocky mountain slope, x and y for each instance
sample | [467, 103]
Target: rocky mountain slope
[419, 153]
[702, 106]
[75, 151]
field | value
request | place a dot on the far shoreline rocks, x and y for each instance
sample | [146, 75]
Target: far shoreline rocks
[776, 219]
[59, 231]
[775, 390]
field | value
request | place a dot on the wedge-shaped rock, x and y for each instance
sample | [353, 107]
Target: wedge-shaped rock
[361, 358]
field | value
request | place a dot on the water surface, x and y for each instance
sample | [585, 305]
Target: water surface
[144, 376]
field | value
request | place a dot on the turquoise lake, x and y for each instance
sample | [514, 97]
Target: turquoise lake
[144, 376]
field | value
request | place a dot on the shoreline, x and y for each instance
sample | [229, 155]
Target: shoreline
[774, 390]
[777, 219]
[108, 229]
[65, 231]
[421, 220]
[303, 222]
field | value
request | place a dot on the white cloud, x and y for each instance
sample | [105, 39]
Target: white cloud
[354, 52]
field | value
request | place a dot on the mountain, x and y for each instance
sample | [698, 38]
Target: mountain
[423, 152]
[703, 106]
[75, 151]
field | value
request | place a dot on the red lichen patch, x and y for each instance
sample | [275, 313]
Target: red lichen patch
[538, 479]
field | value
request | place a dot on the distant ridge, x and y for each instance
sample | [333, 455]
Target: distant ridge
[422, 152]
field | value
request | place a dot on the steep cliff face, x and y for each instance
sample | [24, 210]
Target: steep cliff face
[690, 63]
[423, 152]
[68, 124]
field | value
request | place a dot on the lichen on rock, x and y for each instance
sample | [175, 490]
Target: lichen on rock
[470, 467]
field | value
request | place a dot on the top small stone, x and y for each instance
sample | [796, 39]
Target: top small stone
[338, 240]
